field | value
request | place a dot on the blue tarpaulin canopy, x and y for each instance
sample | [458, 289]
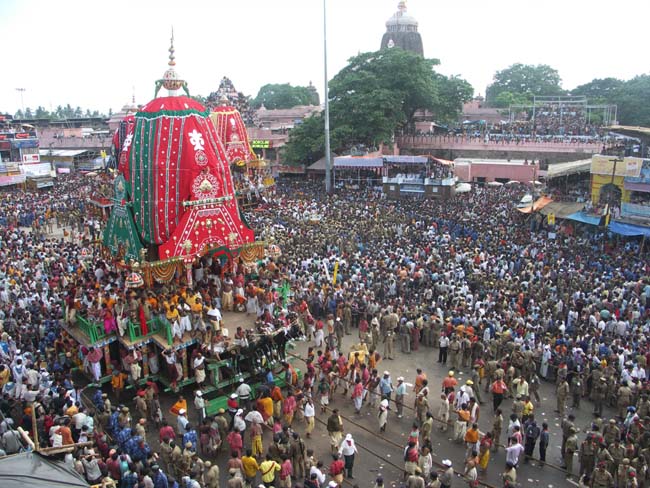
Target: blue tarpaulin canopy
[628, 229]
[584, 218]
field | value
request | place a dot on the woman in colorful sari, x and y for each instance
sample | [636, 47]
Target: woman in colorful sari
[484, 451]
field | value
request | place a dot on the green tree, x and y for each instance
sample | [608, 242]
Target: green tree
[375, 95]
[19, 114]
[632, 101]
[279, 96]
[41, 113]
[380, 92]
[598, 90]
[407, 78]
[453, 92]
[68, 112]
[28, 113]
[525, 79]
[507, 98]
[306, 142]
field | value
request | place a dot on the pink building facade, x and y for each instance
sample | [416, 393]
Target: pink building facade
[487, 170]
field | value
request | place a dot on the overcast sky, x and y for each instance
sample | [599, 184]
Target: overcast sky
[94, 54]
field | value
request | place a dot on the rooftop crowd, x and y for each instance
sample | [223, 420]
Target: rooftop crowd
[494, 295]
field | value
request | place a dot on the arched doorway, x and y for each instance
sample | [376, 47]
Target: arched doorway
[610, 194]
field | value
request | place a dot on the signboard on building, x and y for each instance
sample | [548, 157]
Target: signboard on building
[19, 143]
[18, 135]
[644, 174]
[608, 165]
[291, 169]
[31, 158]
[37, 170]
[261, 144]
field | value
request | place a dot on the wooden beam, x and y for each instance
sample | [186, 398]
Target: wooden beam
[65, 449]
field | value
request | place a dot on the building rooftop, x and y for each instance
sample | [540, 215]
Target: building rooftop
[513, 162]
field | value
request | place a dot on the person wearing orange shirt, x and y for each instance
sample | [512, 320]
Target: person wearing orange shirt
[4, 375]
[276, 396]
[196, 304]
[265, 407]
[499, 389]
[449, 383]
[374, 359]
[460, 427]
[419, 378]
[118, 380]
[65, 432]
[73, 409]
[181, 404]
[471, 440]
[460, 330]
[109, 301]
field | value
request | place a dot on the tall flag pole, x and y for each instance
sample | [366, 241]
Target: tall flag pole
[328, 155]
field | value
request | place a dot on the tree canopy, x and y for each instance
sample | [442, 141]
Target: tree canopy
[522, 82]
[599, 90]
[279, 96]
[61, 113]
[376, 94]
[632, 100]
[631, 97]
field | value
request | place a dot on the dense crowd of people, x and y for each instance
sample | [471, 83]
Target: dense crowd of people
[474, 135]
[552, 119]
[369, 280]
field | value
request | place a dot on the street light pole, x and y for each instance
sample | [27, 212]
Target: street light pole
[328, 156]
[22, 103]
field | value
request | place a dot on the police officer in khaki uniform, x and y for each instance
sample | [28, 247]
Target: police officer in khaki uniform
[454, 353]
[587, 455]
[623, 472]
[389, 340]
[601, 478]
[569, 450]
[599, 394]
[624, 397]
[562, 392]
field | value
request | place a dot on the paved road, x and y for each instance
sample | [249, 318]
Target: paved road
[382, 453]
[397, 432]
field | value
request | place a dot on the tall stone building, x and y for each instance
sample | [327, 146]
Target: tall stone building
[402, 31]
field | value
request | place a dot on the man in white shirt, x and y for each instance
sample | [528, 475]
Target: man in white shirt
[244, 393]
[78, 420]
[444, 345]
[317, 470]
[514, 451]
[521, 386]
[310, 413]
[181, 421]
